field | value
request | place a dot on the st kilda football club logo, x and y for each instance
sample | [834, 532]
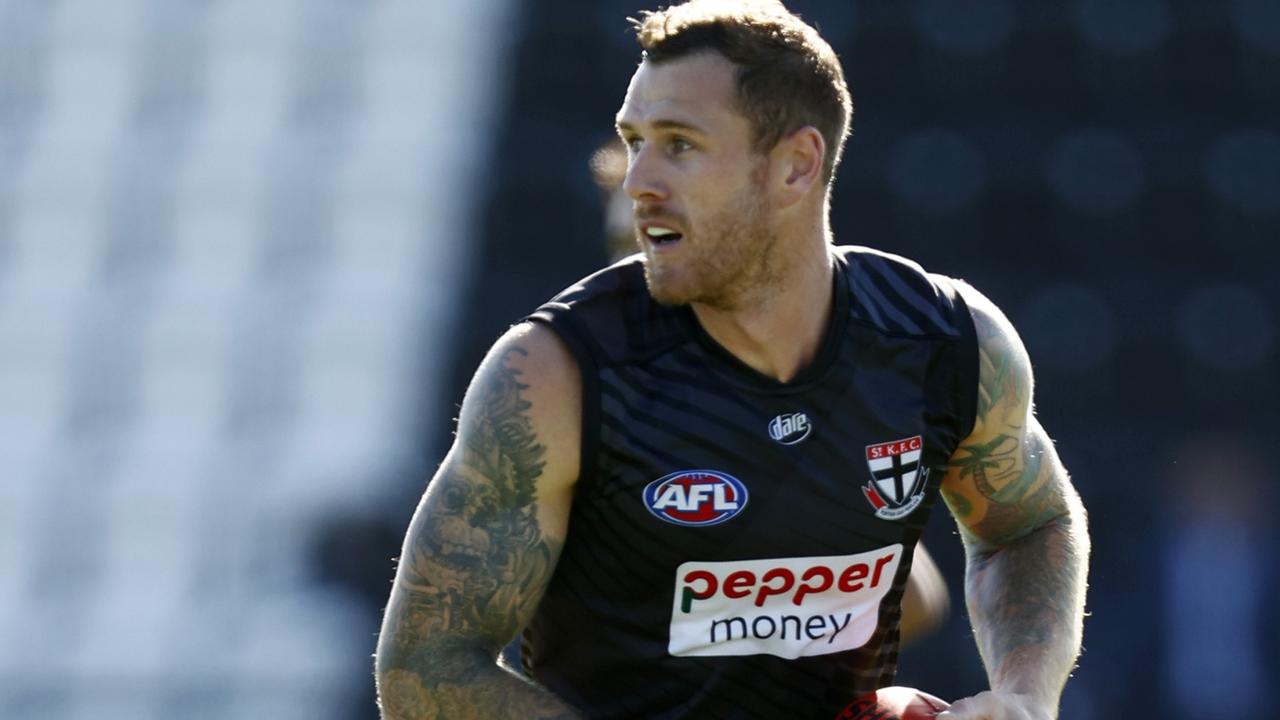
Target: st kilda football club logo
[898, 478]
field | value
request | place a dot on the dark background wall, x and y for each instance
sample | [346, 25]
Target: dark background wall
[1109, 174]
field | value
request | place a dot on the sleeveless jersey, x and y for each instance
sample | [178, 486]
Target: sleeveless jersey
[738, 547]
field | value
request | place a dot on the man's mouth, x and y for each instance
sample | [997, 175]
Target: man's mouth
[659, 235]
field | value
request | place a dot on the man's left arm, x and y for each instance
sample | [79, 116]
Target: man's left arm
[1025, 535]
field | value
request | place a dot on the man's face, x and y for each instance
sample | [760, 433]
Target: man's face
[698, 190]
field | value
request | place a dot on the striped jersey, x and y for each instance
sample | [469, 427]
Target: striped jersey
[738, 547]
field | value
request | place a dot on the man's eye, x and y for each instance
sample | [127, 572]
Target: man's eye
[633, 144]
[679, 145]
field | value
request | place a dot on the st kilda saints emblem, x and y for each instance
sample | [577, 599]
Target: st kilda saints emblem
[898, 478]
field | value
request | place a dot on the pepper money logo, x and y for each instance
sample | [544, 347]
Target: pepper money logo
[787, 607]
[696, 498]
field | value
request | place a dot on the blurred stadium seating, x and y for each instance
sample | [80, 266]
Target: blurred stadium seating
[225, 229]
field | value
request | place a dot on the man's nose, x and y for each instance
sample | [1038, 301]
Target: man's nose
[644, 179]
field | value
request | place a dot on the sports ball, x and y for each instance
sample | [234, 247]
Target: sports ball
[894, 703]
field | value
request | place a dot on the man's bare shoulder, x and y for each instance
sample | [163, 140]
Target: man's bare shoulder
[540, 354]
[1006, 385]
[532, 367]
[1005, 480]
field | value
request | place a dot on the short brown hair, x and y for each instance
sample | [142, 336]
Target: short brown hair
[787, 75]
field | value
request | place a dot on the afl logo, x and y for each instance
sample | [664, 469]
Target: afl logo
[696, 498]
[790, 428]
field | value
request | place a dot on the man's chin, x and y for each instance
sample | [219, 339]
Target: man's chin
[674, 286]
[667, 290]
[664, 294]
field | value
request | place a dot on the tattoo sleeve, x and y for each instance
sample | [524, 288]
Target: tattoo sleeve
[474, 564]
[1023, 526]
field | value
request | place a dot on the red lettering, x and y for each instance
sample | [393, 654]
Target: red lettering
[706, 577]
[689, 594]
[739, 584]
[701, 584]
[849, 579]
[786, 577]
[875, 579]
[819, 572]
[896, 447]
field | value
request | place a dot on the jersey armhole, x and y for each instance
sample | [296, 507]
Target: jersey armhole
[966, 366]
[574, 336]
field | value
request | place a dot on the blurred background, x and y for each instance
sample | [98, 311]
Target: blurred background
[252, 250]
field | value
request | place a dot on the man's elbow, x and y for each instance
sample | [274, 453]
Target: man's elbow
[409, 684]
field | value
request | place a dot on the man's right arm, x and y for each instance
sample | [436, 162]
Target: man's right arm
[484, 541]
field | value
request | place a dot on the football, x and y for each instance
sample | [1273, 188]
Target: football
[894, 703]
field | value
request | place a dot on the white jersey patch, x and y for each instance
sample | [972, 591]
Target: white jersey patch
[788, 607]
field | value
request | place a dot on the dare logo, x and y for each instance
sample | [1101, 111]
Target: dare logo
[696, 498]
[790, 428]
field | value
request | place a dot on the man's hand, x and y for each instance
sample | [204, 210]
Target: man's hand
[997, 706]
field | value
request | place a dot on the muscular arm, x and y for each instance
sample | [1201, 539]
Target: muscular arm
[1024, 531]
[484, 540]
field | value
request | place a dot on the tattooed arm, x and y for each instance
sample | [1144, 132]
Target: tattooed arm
[484, 541]
[1025, 536]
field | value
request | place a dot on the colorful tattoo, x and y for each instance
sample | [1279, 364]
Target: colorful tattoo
[1023, 527]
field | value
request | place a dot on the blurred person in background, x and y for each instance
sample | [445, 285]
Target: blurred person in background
[1218, 571]
[695, 479]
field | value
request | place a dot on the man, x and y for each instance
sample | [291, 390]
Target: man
[925, 600]
[694, 480]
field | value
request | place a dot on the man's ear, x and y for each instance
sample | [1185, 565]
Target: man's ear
[797, 159]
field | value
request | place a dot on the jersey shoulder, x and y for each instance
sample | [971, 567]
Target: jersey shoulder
[899, 297]
[611, 316]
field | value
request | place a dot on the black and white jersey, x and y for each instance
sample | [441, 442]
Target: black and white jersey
[738, 547]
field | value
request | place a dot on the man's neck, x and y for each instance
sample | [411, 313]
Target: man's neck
[778, 331]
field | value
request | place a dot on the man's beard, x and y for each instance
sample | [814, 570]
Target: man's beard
[728, 257]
